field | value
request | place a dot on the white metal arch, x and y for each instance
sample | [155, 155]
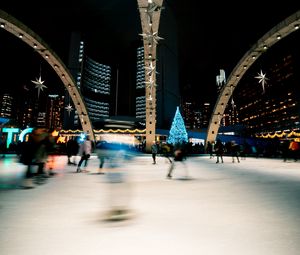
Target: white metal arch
[25, 34]
[150, 17]
[278, 32]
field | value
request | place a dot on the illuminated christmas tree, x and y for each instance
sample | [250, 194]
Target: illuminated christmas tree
[177, 134]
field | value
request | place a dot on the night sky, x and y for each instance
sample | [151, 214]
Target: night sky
[211, 36]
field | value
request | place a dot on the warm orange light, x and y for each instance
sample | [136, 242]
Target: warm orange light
[54, 133]
[61, 139]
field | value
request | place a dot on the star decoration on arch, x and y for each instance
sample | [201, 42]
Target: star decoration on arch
[262, 79]
[150, 69]
[151, 37]
[153, 7]
[39, 84]
[69, 108]
[150, 84]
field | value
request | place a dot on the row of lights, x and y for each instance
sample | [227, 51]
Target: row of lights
[278, 37]
[35, 46]
[265, 47]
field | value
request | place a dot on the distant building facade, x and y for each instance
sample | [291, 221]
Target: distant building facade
[6, 106]
[95, 88]
[140, 99]
[106, 95]
[196, 117]
[276, 106]
[54, 112]
[93, 79]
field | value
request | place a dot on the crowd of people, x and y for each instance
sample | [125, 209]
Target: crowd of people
[287, 149]
[113, 155]
[37, 150]
[34, 153]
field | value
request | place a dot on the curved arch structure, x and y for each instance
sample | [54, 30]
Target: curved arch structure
[150, 15]
[18, 29]
[278, 32]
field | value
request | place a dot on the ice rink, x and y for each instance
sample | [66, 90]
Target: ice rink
[247, 208]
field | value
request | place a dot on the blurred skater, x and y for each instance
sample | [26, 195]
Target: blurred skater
[219, 149]
[85, 151]
[179, 156]
[118, 156]
[235, 151]
[72, 151]
[154, 151]
[102, 154]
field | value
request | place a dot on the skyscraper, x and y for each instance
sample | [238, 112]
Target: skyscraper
[95, 88]
[6, 103]
[93, 79]
[99, 95]
[54, 112]
[140, 100]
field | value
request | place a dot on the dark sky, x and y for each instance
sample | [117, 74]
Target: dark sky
[211, 35]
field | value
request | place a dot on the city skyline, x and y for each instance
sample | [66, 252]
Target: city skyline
[109, 27]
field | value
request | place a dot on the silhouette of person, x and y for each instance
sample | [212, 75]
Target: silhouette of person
[235, 151]
[154, 151]
[85, 151]
[210, 149]
[72, 150]
[219, 149]
[103, 154]
[179, 156]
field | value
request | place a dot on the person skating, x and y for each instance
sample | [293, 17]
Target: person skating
[154, 151]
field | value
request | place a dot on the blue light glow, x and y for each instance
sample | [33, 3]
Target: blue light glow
[82, 137]
[10, 132]
[24, 133]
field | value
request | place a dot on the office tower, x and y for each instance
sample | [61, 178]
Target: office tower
[41, 119]
[54, 112]
[95, 88]
[204, 115]
[26, 114]
[274, 107]
[140, 101]
[93, 79]
[188, 114]
[6, 103]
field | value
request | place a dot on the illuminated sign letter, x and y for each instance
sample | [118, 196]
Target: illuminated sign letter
[10, 132]
[24, 133]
